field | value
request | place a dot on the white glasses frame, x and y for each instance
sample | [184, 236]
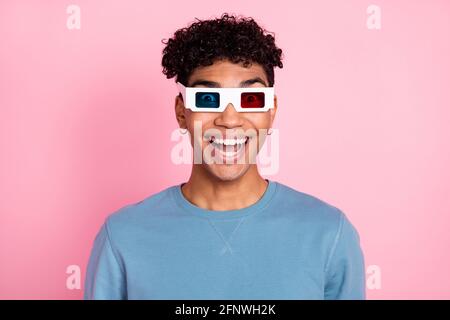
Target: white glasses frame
[227, 95]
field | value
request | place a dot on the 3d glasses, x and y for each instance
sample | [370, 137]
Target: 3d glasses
[217, 99]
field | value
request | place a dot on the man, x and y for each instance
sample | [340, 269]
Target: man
[226, 233]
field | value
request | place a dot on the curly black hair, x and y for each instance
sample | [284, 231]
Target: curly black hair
[237, 39]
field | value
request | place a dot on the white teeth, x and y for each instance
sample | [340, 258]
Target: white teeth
[229, 142]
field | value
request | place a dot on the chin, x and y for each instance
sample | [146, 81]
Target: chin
[225, 172]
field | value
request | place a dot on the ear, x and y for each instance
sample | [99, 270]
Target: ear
[179, 111]
[274, 110]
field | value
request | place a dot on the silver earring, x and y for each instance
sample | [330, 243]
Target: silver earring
[269, 132]
[183, 132]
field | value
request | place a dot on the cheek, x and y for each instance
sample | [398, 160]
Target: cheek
[259, 120]
[200, 117]
[198, 121]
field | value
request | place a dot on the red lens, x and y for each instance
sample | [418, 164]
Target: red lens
[252, 100]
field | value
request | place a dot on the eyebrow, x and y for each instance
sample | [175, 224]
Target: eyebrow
[213, 84]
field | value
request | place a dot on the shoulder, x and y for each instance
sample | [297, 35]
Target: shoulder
[140, 213]
[316, 217]
[308, 207]
[309, 212]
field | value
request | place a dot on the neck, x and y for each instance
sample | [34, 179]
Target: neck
[208, 192]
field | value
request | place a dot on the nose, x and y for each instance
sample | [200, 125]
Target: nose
[229, 118]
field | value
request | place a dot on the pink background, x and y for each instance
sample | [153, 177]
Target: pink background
[86, 117]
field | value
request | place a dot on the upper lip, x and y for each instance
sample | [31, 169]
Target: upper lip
[223, 136]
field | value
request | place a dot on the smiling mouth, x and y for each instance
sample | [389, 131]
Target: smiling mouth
[229, 149]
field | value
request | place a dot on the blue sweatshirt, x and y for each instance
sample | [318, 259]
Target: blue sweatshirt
[288, 245]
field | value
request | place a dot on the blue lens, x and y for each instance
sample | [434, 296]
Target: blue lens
[207, 99]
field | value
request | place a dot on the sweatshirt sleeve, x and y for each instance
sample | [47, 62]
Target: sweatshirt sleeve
[105, 276]
[345, 270]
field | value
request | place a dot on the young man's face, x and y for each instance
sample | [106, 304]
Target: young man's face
[235, 161]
